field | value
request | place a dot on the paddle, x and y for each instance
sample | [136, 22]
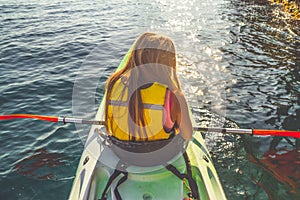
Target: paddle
[284, 133]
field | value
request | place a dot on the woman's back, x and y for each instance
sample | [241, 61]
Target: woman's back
[135, 111]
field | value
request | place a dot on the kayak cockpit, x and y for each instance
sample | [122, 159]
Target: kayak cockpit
[155, 184]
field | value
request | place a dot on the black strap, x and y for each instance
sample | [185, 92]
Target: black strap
[175, 171]
[114, 175]
[193, 185]
[122, 180]
[192, 182]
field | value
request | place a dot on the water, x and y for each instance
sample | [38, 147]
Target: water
[238, 64]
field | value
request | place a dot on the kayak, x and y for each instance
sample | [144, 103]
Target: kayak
[98, 163]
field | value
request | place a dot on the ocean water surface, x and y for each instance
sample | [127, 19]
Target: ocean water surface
[239, 66]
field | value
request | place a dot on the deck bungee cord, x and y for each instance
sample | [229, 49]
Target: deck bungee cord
[256, 132]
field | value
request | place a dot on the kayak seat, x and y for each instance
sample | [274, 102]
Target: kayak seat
[147, 153]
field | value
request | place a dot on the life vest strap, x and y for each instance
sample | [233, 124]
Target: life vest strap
[146, 105]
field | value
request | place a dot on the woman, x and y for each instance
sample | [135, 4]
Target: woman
[144, 101]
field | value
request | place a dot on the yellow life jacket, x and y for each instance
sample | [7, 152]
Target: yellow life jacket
[153, 99]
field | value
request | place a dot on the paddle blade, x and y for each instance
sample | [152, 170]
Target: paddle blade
[295, 134]
[24, 116]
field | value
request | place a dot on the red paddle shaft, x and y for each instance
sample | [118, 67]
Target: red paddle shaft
[284, 133]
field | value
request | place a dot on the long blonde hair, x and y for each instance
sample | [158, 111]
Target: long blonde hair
[152, 59]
